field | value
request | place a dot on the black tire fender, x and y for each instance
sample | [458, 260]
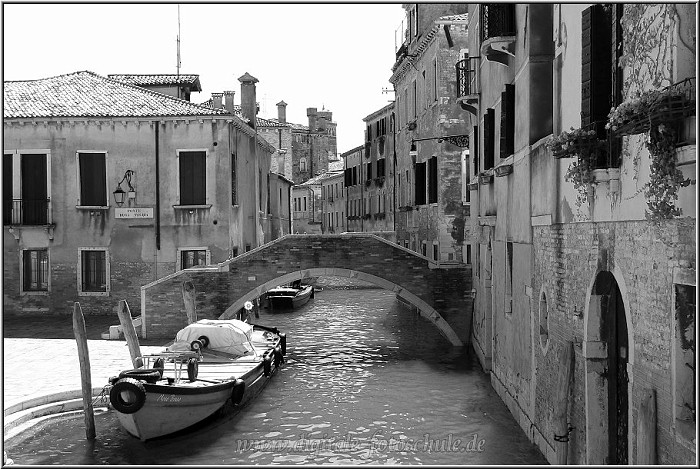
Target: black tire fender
[238, 391]
[279, 359]
[196, 345]
[283, 342]
[192, 369]
[267, 364]
[134, 388]
[204, 340]
[149, 375]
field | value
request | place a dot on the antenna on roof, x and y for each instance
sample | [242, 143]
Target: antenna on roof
[178, 41]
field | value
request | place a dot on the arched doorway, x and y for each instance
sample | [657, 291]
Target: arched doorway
[607, 353]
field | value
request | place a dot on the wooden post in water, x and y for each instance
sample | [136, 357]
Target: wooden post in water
[85, 378]
[646, 429]
[132, 340]
[188, 296]
[561, 403]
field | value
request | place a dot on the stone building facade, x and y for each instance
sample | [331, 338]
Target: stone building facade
[585, 273]
[333, 202]
[429, 214]
[108, 186]
[354, 188]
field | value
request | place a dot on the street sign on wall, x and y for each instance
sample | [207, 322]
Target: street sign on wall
[136, 212]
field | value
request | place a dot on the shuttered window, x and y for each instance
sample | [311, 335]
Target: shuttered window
[432, 180]
[420, 184]
[348, 177]
[369, 170]
[488, 138]
[93, 186]
[596, 65]
[192, 177]
[381, 168]
[35, 270]
[507, 121]
[476, 150]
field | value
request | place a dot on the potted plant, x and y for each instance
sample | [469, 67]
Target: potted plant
[573, 142]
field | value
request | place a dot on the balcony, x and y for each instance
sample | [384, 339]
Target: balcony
[498, 32]
[27, 212]
[468, 90]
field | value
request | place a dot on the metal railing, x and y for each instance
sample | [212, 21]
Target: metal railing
[466, 70]
[27, 212]
[497, 19]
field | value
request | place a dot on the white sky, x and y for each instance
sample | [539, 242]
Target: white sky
[337, 56]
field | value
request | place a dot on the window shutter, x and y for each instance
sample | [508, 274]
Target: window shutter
[348, 177]
[93, 190]
[432, 180]
[476, 149]
[488, 138]
[420, 184]
[596, 65]
[192, 177]
[507, 121]
[369, 170]
[381, 168]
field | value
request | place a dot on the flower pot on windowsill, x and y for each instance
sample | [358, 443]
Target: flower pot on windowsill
[485, 179]
[473, 186]
[600, 175]
[503, 170]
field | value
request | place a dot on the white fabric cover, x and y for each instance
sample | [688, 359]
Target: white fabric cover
[229, 336]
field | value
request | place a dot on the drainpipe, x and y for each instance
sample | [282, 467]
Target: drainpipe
[157, 233]
[393, 137]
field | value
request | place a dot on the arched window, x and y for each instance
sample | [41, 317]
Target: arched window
[544, 322]
[302, 164]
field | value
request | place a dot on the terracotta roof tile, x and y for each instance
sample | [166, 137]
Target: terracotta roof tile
[159, 80]
[86, 94]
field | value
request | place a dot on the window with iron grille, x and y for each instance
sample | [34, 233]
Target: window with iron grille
[507, 121]
[93, 272]
[35, 270]
[192, 177]
[234, 180]
[497, 19]
[489, 138]
[92, 168]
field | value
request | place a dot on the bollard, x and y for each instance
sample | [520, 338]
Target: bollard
[132, 340]
[85, 379]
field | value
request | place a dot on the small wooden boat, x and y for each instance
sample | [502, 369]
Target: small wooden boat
[212, 363]
[290, 297]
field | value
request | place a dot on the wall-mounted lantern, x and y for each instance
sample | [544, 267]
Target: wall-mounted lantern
[119, 193]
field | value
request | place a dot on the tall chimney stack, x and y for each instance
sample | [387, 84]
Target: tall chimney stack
[228, 101]
[248, 101]
[311, 113]
[282, 112]
[216, 100]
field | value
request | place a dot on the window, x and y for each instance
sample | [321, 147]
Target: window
[302, 164]
[381, 168]
[509, 278]
[35, 270]
[92, 170]
[420, 184]
[305, 204]
[192, 257]
[685, 361]
[476, 150]
[432, 180]
[405, 106]
[435, 80]
[507, 121]
[544, 322]
[436, 252]
[424, 88]
[489, 139]
[469, 254]
[234, 180]
[415, 99]
[424, 249]
[192, 165]
[93, 272]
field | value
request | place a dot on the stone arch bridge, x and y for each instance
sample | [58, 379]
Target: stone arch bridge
[440, 292]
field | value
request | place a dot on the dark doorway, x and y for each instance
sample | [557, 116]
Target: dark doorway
[7, 189]
[614, 333]
[34, 195]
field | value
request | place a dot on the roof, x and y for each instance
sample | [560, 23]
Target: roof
[159, 80]
[320, 178]
[259, 121]
[379, 112]
[86, 94]
[349, 152]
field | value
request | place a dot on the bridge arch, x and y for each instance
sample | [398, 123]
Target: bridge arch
[424, 309]
[439, 291]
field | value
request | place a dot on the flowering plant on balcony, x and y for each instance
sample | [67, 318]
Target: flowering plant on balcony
[573, 142]
[652, 108]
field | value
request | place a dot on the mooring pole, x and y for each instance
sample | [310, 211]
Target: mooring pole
[132, 340]
[85, 379]
[188, 296]
[561, 403]
[646, 431]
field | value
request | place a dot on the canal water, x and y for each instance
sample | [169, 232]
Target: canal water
[366, 381]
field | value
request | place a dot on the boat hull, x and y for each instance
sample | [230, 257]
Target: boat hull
[290, 300]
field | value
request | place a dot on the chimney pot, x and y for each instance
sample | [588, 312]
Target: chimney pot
[248, 101]
[216, 100]
[228, 101]
[282, 112]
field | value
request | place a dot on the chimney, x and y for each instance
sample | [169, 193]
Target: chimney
[248, 103]
[282, 112]
[216, 100]
[228, 101]
[311, 114]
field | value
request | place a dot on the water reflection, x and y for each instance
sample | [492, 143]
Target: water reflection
[366, 381]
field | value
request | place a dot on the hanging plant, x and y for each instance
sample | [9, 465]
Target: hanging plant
[580, 173]
[665, 178]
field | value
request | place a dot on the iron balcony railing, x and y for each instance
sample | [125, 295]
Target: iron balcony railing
[466, 70]
[497, 19]
[27, 212]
